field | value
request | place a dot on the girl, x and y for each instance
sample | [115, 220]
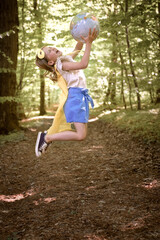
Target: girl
[75, 107]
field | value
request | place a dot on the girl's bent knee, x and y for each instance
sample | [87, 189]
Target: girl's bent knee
[81, 137]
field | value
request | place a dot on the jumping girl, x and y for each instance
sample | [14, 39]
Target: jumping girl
[76, 105]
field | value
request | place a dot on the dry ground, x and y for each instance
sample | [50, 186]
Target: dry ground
[104, 188]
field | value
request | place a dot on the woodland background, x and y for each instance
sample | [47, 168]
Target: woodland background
[124, 70]
[103, 188]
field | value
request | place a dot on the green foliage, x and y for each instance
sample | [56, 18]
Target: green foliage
[8, 33]
[7, 70]
[4, 55]
[9, 99]
[106, 71]
[144, 124]
[12, 137]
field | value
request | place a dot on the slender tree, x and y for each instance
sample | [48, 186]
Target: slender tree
[122, 90]
[131, 62]
[158, 65]
[22, 51]
[127, 78]
[42, 81]
[8, 64]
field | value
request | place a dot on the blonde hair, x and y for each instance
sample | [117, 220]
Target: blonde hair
[43, 64]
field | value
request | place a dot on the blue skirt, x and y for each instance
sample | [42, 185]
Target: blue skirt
[76, 107]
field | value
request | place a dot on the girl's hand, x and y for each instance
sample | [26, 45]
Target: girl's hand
[91, 36]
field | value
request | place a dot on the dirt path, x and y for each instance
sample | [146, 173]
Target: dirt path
[105, 188]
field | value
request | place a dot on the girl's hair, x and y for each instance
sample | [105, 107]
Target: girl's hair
[50, 71]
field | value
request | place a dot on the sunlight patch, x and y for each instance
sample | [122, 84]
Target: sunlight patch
[104, 113]
[154, 111]
[152, 184]
[36, 118]
[93, 148]
[45, 200]
[93, 119]
[16, 197]
[107, 112]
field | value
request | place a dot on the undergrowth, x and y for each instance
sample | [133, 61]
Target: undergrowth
[144, 124]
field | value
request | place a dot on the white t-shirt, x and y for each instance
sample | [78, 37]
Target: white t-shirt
[74, 78]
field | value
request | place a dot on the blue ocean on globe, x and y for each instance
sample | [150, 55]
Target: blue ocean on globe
[81, 24]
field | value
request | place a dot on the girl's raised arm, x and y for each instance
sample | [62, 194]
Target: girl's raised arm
[78, 47]
[85, 59]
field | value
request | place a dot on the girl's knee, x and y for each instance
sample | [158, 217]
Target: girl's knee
[81, 137]
[81, 130]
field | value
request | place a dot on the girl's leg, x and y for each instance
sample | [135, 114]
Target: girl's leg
[43, 140]
[78, 135]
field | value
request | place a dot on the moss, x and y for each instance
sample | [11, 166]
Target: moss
[15, 136]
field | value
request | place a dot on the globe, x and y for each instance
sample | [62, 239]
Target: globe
[81, 24]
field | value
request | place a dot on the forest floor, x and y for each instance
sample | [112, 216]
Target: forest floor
[103, 188]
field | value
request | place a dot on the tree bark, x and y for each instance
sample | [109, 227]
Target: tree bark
[124, 68]
[130, 61]
[112, 79]
[129, 84]
[122, 89]
[42, 95]
[42, 110]
[8, 64]
[22, 62]
[158, 65]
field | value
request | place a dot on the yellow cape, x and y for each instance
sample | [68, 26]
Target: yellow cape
[59, 123]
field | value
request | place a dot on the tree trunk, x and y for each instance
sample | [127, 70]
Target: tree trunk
[42, 95]
[113, 72]
[122, 90]
[158, 65]
[131, 63]
[22, 53]
[129, 84]
[114, 60]
[42, 81]
[147, 63]
[8, 64]
[123, 68]
[113, 88]
[107, 93]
